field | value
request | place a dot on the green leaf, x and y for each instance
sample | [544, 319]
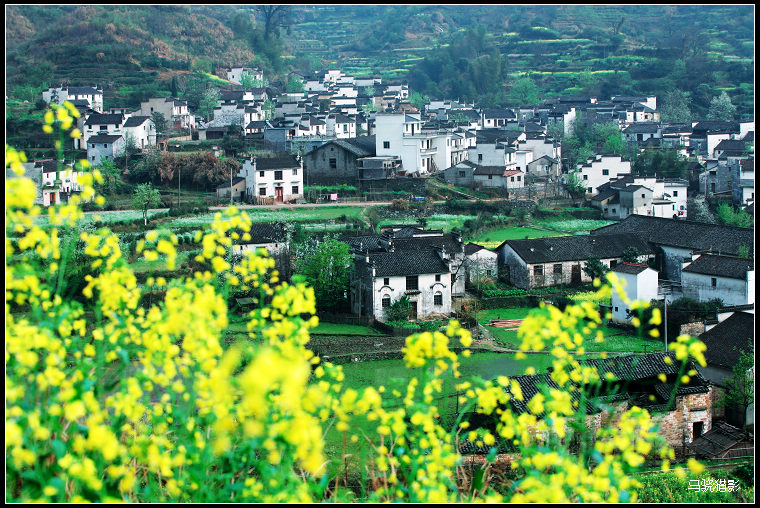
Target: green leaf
[59, 448]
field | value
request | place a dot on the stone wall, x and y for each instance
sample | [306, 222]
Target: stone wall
[694, 329]
[677, 426]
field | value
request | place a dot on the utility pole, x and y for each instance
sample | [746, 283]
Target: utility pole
[179, 183]
[665, 320]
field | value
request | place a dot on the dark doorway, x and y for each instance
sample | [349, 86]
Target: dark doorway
[698, 427]
[413, 314]
[575, 274]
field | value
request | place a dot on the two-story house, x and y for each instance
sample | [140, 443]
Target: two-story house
[401, 135]
[142, 130]
[278, 179]
[601, 169]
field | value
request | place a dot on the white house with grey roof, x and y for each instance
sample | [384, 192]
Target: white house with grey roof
[731, 279]
[383, 277]
[639, 282]
[92, 95]
[600, 169]
[102, 147]
[142, 130]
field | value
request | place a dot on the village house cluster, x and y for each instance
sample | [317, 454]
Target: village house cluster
[356, 131]
[348, 130]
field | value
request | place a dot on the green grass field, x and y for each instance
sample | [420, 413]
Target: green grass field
[301, 214]
[494, 238]
[344, 329]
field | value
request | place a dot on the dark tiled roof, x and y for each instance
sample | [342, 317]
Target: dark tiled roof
[499, 113]
[47, 165]
[632, 268]
[450, 242]
[604, 194]
[728, 338]
[684, 233]
[103, 138]
[407, 262]
[576, 248]
[281, 162]
[642, 128]
[715, 126]
[472, 248]
[235, 181]
[633, 369]
[83, 90]
[721, 266]
[490, 170]
[106, 119]
[267, 232]
[735, 146]
[720, 438]
[365, 243]
[135, 121]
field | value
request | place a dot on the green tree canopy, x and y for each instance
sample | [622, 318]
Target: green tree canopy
[661, 163]
[676, 107]
[146, 196]
[327, 267]
[524, 92]
[721, 108]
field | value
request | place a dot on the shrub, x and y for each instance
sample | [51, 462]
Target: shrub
[400, 204]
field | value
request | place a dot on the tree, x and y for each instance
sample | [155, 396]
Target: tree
[740, 386]
[575, 186]
[418, 100]
[727, 215]
[130, 149]
[721, 108]
[146, 196]
[524, 92]
[249, 81]
[631, 255]
[295, 84]
[268, 108]
[111, 178]
[595, 269]
[676, 107]
[159, 120]
[208, 102]
[661, 163]
[327, 267]
[275, 17]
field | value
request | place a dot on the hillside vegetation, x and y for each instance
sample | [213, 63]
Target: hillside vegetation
[495, 55]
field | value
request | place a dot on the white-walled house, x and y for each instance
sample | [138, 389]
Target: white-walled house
[601, 169]
[382, 278]
[498, 177]
[102, 147]
[732, 279]
[142, 129]
[97, 123]
[401, 134]
[277, 178]
[93, 95]
[235, 74]
[175, 111]
[480, 262]
[639, 282]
